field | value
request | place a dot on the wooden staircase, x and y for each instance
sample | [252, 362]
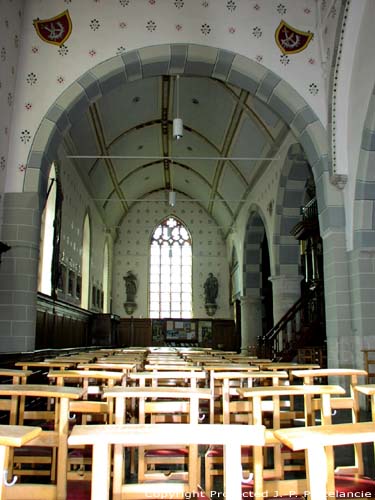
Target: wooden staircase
[303, 325]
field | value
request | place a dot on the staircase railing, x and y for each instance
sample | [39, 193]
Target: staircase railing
[282, 339]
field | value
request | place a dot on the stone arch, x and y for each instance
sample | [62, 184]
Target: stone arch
[290, 198]
[364, 204]
[252, 263]
[184, 59]
[252, 313]
[362, 256]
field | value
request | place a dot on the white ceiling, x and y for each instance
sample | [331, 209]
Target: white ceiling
[220, 121]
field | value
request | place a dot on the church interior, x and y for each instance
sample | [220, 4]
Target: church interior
[187, 238]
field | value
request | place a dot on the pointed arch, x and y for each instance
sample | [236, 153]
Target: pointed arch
[171, 270]
[106, 278]
[86, 257]
[47, 235]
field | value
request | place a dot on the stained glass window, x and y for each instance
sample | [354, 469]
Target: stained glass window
[170, 271]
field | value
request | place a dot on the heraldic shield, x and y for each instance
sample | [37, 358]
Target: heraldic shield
[55, 30]
[291, 40]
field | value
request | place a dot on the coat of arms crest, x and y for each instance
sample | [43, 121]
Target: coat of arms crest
[55, 30]
[290, 40]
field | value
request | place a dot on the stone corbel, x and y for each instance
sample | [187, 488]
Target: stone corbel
[339, 180]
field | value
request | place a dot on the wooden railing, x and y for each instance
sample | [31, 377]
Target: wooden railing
[284, 338]
[310, 210]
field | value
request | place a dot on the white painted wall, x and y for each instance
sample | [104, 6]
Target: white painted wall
[101, 29]
[76, 203]
[10, 35]
[131, 252]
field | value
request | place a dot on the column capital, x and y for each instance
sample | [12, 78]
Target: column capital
[286, 284]
[250, 299]
[286, 277]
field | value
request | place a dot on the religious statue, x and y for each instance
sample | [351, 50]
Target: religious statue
[211, 287]
[131, 286]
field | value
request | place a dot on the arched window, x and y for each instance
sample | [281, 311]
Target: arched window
[170, 271]
[86, 247]
[46, 236]
[106, 279]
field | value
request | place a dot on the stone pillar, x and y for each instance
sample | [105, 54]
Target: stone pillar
[286, 290]
[251, 321]
[343, 339]
[19, 271]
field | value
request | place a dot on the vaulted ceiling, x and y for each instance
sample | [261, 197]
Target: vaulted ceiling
[127, 137]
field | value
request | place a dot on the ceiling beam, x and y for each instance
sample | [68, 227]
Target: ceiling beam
[227, 144]
[100, 137]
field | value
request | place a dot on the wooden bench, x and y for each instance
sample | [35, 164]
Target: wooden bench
[232, 437]
[320, 466]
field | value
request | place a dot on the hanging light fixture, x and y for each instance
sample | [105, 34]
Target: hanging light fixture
[171, 194]
[178, 125]
[172, 198]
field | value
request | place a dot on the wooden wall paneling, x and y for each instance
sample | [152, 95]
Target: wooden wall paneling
[223, 334]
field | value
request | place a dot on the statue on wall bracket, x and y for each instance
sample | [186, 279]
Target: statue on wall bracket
[131, 286]
[211, 289]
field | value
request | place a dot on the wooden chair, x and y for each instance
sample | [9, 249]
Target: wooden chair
[192, 378]
[232, 410]
[369, 362]
[368, 390]
[176, 401]
[89, 409]
[12, 436]
[232, 437]
[92, 382]
[347, 378]
[275, 480]
[54, 438]
[317, 441]
[216, 383]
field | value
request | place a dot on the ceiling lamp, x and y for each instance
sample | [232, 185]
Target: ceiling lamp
[178, 125]
[172, 198]
[171, 193]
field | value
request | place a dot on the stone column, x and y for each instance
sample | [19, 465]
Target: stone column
[19, 271]
[343, 337]
[286, 290]
[251, 321]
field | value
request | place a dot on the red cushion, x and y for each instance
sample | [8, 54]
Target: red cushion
[217, 451]
[167, 452]
[85, 452]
